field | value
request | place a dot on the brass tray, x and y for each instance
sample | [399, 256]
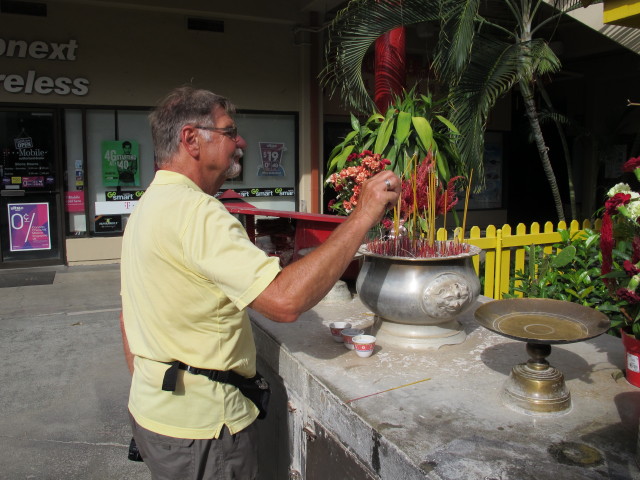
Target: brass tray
[541, 320]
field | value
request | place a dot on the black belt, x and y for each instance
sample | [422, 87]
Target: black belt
[222, 376]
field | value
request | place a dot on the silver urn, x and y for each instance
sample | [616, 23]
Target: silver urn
[417, 300]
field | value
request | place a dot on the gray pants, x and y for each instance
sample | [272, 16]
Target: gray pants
[229, 457]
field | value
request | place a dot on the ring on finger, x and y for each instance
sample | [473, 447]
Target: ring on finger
[388, 184]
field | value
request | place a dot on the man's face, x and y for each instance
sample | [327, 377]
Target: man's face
[220, 154]
[126, 148]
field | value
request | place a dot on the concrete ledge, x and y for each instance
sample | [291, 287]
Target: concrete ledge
[316, 404]
[453, 425]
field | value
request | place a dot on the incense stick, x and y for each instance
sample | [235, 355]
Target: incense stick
[466, 206]
[396, 216]
[387, 390]
[432, 204]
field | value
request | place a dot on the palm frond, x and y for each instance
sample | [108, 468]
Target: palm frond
[456, 38]
[547, 116]
[545, 60]
[354, 30]
[493, 71]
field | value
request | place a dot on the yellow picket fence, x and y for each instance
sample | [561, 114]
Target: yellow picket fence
[503, 249]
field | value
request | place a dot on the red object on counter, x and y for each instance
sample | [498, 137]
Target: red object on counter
[311, 228]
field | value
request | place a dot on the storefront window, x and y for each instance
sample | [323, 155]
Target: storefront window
[74, 177]
[269, 165]
[109, 165]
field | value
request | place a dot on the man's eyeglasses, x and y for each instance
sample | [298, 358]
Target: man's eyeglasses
[231, 132]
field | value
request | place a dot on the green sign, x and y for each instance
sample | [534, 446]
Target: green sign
[120, 163]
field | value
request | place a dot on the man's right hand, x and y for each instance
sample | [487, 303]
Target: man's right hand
[379, 193]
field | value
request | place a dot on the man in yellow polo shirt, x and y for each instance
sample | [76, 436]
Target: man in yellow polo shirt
[189, 272]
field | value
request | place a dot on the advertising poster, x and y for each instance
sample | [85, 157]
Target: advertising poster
[271, 154]
[26, 164]
[74, 202]
[29, 226]
[108, 224]
[120, 163]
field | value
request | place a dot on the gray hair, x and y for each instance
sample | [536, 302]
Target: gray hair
[183, 106]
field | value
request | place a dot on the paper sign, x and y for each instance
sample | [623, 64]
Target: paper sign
[29, 226]
[74, 201]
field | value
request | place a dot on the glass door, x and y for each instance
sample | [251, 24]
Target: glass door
[30, 220]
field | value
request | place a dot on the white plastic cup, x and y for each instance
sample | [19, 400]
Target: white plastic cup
[364, 345]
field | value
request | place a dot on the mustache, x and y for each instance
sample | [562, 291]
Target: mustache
[235, 168]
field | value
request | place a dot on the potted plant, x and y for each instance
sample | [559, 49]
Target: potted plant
[414, 284]
[620, 246]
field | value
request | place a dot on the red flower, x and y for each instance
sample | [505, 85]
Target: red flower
[630, 268]
[606, 244]
[611, 205]
[448, 199]
[628, 295]
[631, 164]
[635, 246]
[445, 199]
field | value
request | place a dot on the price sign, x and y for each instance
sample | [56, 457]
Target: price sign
[271, 161]
[29, 226]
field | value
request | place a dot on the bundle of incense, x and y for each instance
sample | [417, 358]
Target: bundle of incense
[432, 193]
[414, 190]
[412, 247]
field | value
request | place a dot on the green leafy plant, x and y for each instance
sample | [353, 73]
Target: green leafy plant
[572, 272]
[413, 125]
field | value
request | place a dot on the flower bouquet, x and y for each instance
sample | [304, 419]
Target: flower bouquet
[620, 247]
[348, 182]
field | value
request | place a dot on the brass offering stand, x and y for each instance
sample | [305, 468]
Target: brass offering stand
[535, 387]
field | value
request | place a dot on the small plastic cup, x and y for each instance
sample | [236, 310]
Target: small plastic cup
[364, 345]
[348, 334]
[336, 330]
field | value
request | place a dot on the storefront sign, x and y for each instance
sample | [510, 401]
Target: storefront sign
[27, 164]
[32, 82]
[113, 196]
[263, 192]
[271, 156]
[108, 224]
[74, 202]
[120, 163]
[29, 226]
[114, 208]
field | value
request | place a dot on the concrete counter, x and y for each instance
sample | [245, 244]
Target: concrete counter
[451, 426]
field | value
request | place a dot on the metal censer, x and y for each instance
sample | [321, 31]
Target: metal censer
[417, 300]
[535, 387]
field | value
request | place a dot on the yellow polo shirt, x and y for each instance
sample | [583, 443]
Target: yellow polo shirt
[188, 271]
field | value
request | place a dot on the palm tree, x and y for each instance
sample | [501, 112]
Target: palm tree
[480, 58]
